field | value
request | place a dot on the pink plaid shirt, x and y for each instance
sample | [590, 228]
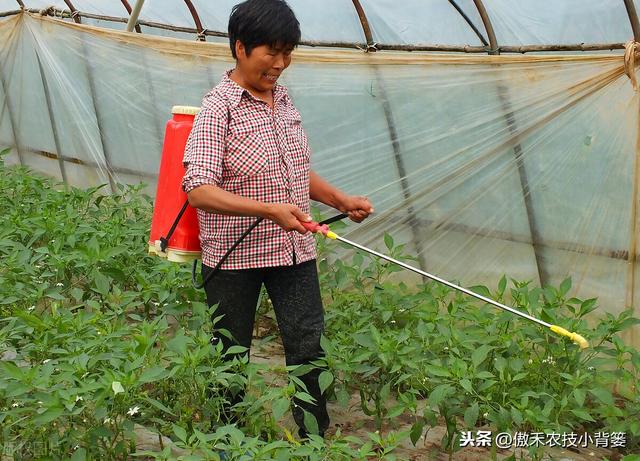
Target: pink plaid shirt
[241, 145]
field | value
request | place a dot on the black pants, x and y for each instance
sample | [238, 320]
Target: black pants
[295, 293]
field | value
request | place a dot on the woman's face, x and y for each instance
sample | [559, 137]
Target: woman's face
[261, 69]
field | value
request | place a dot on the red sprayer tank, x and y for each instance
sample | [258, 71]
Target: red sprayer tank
[184, 243]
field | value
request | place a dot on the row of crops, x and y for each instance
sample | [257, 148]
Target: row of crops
[97, 340]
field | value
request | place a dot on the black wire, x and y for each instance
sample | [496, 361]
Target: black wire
[334, 219]
[164, 241]
[234, 246]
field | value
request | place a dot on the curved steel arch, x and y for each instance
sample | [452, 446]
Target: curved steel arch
[412, 220]
[469, 22]
[505, 101]
[74, 13]
[196, 19]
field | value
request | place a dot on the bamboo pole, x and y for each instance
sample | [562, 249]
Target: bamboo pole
[630, 300]
[135, 13]
[634, 229]
[127, 7]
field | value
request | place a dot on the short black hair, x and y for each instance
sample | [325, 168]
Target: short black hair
[263, 22]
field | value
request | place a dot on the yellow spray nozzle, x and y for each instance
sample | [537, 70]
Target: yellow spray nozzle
[332, 235]
[575, 337]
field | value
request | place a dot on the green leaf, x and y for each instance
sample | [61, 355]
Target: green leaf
[49, 415]
[79, 455]
[310, 422]
[485, 375]
[102, 284]
[12, 370]
[471, 415]
[343, 398]
[152, 374]
[603, 395]
[180, 432]
[588, 306]
[478, 356]
[305, 397]
[117, 387]
[159, 405]
[481, 290]
[324, 380]
[565, 286]
[502, 285]
[579, 395]
[416, 432]
[500, 363]
[388, 241]
[236, 350]
[582, 414]
[439, 393]
[466, 385]
[437, 370]
[279, 407]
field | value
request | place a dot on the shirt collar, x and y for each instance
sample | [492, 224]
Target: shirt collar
[234, 91]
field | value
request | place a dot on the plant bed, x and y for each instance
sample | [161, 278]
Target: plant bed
[98, 339]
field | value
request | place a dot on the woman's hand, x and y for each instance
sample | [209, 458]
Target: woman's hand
[288, 217]
[356, 206]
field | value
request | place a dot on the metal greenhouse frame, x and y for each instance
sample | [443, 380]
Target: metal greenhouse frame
[490, 46]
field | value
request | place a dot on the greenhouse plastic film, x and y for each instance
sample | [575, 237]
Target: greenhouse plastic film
[483, 165]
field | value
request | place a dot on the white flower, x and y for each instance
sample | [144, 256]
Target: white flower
[484, 415]
[15, 405]
[78, 398]
[76, 447]
[591, 368]
[59, 284]
[133, 411]
[31, 308]
[108, 421]
[530, 361]
[446, 348]
[46, 361]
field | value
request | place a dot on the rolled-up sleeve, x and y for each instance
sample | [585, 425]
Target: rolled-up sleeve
[204, 153]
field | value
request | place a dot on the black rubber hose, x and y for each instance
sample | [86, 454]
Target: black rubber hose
[235, 245]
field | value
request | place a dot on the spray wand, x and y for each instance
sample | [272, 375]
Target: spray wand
[324, 230]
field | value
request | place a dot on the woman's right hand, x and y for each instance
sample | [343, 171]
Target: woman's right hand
[288, 217]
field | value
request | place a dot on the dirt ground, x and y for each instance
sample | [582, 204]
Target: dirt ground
[352, 421]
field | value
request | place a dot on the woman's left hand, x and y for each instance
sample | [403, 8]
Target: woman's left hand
[357, 207]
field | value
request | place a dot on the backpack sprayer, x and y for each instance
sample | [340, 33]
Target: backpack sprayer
[181, 242]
